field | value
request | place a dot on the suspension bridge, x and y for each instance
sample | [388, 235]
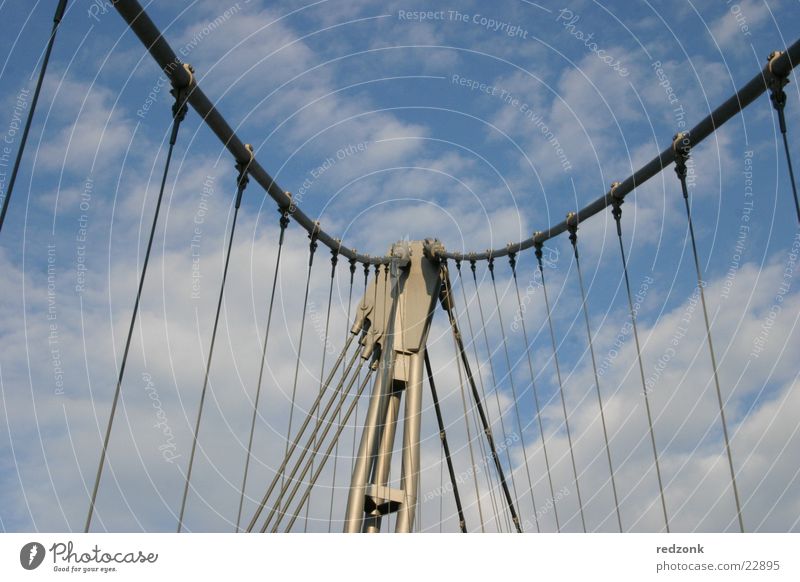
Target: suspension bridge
[373, 387]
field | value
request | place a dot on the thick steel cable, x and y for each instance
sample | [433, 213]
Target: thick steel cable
[155, 42]
[312, 247]
[484, 456]
[313, 444]
[447, 304]
[489, 354]
[284, 222]
[617, 213]
[514, 394]
[60, 9]
[778, 97]
[334, 261]
[336, 450]
[462, 524]
[573, 238]
[327, 453]
[681, 155]
[538, 247]
[279, 473]
[179, 110]
[512, 258]
[469, 442]
[241, 184]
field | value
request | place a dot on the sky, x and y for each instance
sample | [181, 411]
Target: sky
[476, 125]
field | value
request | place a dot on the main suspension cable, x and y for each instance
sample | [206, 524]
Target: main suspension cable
[462, 524]
[512, 258]
[538, 247]
[778, 97]
[284, 222]
[681, 156]
[241, 183]
[59, 14]
[514, 395]
[573, 238]
[179, 110]
[448, 307]
[617, 214]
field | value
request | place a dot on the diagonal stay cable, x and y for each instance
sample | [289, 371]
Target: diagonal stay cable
[447, 304]
[241, 183]
[284, 222]
[617, 213]
[327, 453]
[573, 238]
[469, 441]
[681, 156]
[538, 246]
[279, 473]
[462, 524]
[179, 110]
[324, 419]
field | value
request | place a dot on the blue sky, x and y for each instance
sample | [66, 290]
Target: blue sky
[477, 125]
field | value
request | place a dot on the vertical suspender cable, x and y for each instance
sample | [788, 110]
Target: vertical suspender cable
[334, 262]
[60, 9]
[178, 114]
[512, 259]
[573, 238]
[514, 395]
[778, 97]
[617, 213]
[311, 250]
[489, 354]
[681, 155]
[336, 450]
[447, 303]
[538, 246]
[284, 222]
[485, 457]
[462, 524]
[241, 184]
[355, 422]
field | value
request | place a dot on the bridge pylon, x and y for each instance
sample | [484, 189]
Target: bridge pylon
[399, 306]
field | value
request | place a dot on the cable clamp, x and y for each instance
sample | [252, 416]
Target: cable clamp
[538, 243]
[181, 93]
[512, 257]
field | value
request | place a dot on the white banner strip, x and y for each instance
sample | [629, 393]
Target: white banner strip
[334, 557]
